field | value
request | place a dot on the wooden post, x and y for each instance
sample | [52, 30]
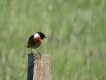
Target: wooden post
[39, 67]
[42, 67]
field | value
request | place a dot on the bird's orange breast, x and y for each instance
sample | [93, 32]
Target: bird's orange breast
[37, 41]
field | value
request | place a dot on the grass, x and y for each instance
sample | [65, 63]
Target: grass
[76, 37]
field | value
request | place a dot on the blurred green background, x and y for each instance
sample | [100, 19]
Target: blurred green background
[76, 31]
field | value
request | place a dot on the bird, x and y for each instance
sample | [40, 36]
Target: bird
[35, 40]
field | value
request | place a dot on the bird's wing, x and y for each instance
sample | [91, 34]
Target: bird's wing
[30, 38]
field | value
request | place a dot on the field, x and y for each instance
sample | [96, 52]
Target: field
[76, 37]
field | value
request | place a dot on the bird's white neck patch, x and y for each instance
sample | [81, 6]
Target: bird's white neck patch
[36, 35]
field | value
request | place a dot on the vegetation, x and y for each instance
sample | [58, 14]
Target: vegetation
[76, 37]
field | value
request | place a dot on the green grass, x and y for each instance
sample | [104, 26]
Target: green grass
[76, 31]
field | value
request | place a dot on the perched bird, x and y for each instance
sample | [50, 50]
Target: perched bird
[35, 40]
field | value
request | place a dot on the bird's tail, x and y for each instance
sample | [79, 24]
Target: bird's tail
[28, 46]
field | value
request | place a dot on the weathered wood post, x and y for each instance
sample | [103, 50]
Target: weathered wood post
[39, 67]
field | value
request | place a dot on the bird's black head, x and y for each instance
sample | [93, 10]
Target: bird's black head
[41, 35]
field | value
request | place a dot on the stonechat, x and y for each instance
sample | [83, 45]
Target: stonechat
[35, 40]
